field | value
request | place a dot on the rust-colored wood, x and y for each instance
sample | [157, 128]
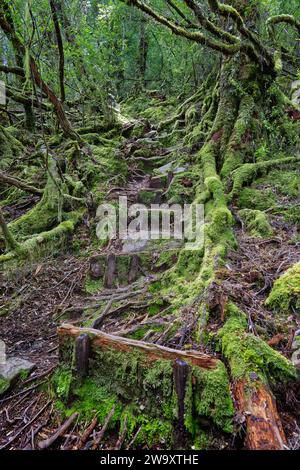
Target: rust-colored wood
[152, 352]
[257, 404]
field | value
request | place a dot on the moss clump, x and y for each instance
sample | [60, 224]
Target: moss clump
[62, 380]
[256, 223]
[209, 394]
[285, 295]
[221, 220]
[4, 385]
[92, 286]
[247, 353]
[251, 198]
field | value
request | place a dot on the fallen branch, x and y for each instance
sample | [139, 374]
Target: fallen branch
[19, 184]
[61, 430]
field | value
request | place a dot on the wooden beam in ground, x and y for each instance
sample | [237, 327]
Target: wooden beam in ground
[153, 352]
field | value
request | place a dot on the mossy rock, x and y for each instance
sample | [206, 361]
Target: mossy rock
[285, 295]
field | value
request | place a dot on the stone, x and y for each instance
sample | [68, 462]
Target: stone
[11, 370]
[134, 246]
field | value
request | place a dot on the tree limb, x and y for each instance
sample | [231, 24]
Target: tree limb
[19, 184]
[14, 70]
[197, 36]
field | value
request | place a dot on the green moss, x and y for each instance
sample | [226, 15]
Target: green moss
[62, 380]
[251, 198]
[221, 221]
[285, 182]
[144, 392]
[249, 171]
[210, 397]
[46, 212]
[285, 295]
[247, 353]
[256, 223]
[4, 385]
[92, 286]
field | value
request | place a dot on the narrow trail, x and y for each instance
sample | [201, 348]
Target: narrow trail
[72, 289]
[35, 300]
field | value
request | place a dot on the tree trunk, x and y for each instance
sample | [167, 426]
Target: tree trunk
[60, 50]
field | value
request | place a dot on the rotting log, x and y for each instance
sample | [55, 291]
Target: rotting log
[168, 389]
[264, 427]
[152, 351]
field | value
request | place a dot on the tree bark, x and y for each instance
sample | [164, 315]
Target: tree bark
[19, 46]
[264, 428]
[60, 50]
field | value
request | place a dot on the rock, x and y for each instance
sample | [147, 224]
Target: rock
[165, 168]
[134, 246]
[180, 169]
[11, 370]
[170, 167]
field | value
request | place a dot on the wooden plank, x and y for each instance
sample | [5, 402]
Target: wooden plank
[153, 352]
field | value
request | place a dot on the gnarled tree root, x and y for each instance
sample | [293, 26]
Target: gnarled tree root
[44, 243]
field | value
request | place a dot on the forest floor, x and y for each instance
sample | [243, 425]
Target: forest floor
[36, 298]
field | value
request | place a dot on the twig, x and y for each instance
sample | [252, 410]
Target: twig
[134, 438]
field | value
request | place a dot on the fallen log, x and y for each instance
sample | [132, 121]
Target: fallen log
[168, 389]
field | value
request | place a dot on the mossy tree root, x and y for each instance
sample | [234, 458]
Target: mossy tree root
[254, 365]
[48, 242]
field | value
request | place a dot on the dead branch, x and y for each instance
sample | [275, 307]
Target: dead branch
[60, 431]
